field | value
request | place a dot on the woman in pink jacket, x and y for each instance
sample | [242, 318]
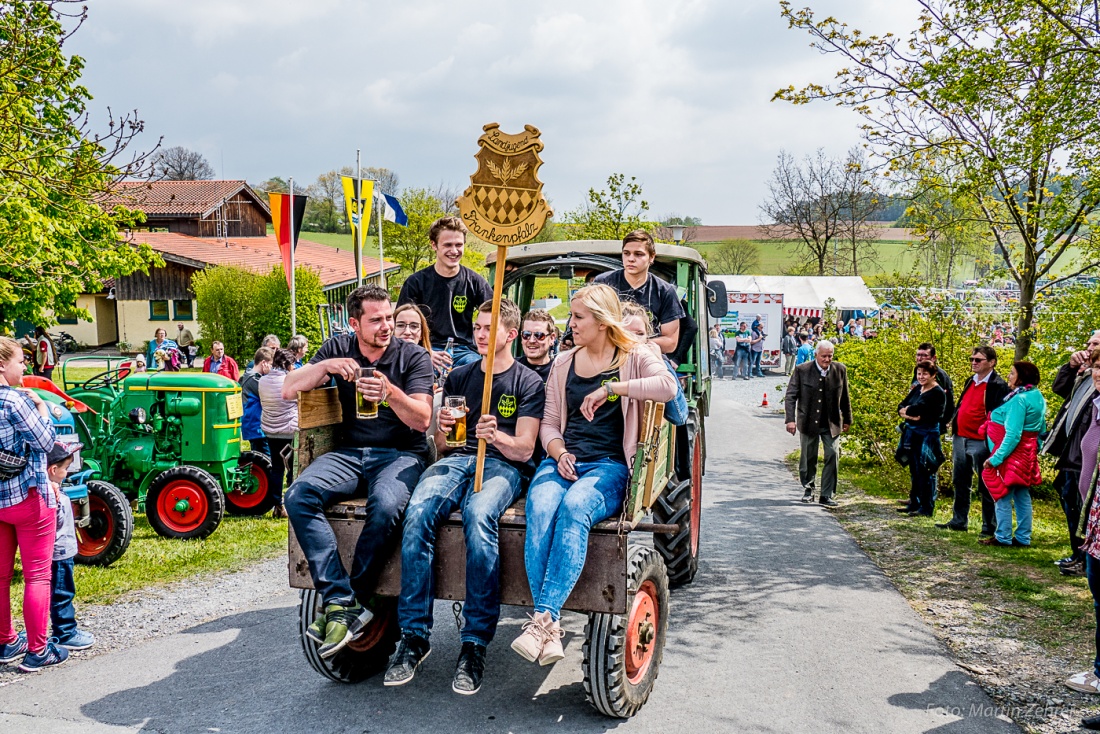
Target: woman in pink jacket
[590, 426]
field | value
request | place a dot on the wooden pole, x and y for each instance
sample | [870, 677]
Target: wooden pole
[487, 390]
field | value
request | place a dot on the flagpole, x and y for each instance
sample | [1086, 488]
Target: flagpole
[359, 226]
[293, 304]
[381, 219]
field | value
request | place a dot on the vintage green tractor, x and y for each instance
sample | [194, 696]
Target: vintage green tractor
[172, 443]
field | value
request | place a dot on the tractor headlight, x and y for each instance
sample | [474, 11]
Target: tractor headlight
[56, 411]
[137, 415]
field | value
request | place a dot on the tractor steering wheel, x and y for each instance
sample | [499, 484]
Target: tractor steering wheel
[105, 379]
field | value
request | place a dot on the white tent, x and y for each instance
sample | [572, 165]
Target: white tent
[806, 295]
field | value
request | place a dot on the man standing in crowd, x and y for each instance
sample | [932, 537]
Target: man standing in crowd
[742, 360]
[221, 363]
[511, 430]
[756, 348]
[983, 391]
[448, 293]
[379, 458]
[789, 346]
[635, 283]
[538, 335]
[1074, 385]
[270, 342]
[185, 340]
[805, 350]
[251, 429]
[818, 406]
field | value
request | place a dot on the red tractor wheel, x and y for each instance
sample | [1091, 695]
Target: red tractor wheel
[249, 502]
[111, 526]
[361, 659]
[184, 502]
[622, 653]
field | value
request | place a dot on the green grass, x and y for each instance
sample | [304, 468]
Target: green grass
[777, 258]
[152, 560]
[1023, 583]
[341, 241]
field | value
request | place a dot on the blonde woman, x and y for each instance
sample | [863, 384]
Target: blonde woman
[410, 325]
[590, 427]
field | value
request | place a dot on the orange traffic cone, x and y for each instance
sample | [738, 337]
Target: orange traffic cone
[765, 403]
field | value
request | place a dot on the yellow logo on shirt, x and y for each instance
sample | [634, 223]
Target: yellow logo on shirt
[506, 406]
[459, 304]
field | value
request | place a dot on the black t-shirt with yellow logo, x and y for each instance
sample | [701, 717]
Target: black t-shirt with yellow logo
[517, 393]
[448, 303]
[602, 437]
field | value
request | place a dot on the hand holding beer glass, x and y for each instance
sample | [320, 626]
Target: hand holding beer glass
[368, 390]
[453, 419]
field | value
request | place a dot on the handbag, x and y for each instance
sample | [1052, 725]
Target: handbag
[11, 465]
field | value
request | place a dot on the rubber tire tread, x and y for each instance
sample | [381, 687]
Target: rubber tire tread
[215, 498]
[119, 508]
[346, 666]
[253, 457]
[604, 652]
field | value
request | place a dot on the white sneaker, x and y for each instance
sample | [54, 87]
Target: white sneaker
[535, 631]
[1086, 682]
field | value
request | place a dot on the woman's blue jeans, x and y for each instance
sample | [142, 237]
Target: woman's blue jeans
[1021, 497]
[559, 515]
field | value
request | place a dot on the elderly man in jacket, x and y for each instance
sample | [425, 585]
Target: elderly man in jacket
[819, 409]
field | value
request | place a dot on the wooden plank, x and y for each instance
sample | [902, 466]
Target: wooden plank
[320, 407]
[311, 443]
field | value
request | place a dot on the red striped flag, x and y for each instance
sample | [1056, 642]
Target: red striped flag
[281, 209]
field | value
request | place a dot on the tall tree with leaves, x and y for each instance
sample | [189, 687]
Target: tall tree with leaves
[1000, 91]
[408, 246]
[57, 241]
[611, 213]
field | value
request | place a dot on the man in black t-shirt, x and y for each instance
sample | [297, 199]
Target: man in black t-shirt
[379, 458]
[448, 293]
[635, 283]
[537, 338]
[511, 430]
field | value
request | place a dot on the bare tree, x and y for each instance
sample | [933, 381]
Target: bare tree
[734, 257]
[447, 196]
[803, 207]
[181, 164]
[860, 199]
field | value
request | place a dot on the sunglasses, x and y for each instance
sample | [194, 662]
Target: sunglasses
[978, 360]
[539, 335]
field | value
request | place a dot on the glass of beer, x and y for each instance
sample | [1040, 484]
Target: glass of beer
[365, 409]
[456, 408]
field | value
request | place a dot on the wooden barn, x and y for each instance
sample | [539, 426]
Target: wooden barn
[197, 208]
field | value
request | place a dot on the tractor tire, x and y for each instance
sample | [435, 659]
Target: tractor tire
[260, 501]
[681, 504]
[196, 487]
[112, 527]
[622, 653]
[367, 656]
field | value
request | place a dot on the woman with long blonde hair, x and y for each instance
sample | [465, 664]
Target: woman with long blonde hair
[595, 394]
[409, 324]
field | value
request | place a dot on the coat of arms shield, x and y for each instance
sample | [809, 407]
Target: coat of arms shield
[503, 204]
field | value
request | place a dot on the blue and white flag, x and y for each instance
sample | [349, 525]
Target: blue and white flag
[392, 211]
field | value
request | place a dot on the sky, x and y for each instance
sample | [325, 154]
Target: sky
[675, 93]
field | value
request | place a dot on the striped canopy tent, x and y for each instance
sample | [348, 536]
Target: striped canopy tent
[805, 296]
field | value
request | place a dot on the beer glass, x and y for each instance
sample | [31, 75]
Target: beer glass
[365, 409]
[456, 408]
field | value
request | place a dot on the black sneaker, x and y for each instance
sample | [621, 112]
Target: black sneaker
[470, 669]
[411, 652]
[829, 502]
[950, 526]
[1067, 560]
[809, 496]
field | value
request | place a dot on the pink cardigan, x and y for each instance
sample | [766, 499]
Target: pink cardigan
[647, 378]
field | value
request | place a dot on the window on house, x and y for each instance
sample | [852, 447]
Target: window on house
[182, 310]
[158, 311]
[66, 320]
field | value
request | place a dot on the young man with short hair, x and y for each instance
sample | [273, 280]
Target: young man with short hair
[448, 293]
[380, 458]
[537, 338]
[511, 430]
[635, 283]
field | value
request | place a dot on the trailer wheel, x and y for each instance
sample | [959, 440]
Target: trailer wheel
[682, 504]
[185, 502]
[361, 659]
[622, 653]
[260, 501]
[111, 528]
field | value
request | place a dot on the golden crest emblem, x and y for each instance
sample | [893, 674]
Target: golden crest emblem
[503, 204]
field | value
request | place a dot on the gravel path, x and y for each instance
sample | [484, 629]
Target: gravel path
[162, 610]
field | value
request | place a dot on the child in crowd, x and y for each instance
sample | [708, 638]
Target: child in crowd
[62, 586]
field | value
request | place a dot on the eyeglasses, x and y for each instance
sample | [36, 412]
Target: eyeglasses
[977, 360]
[539, 335]
[411, 326]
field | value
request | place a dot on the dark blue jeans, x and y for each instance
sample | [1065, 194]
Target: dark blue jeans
[560, 514]
[742, 363]
[1092, 571]
[260, 445]
[386, 477]
[754, 364]
[62, 593]
[447, 486]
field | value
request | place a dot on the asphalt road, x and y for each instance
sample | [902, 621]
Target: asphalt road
[788, 627]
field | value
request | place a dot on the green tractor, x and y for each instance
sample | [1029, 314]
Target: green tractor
[172, 443]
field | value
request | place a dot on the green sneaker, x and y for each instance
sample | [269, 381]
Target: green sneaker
[344, 625]
[316, 631]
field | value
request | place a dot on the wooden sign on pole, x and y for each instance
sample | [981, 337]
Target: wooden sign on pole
[503, 206]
